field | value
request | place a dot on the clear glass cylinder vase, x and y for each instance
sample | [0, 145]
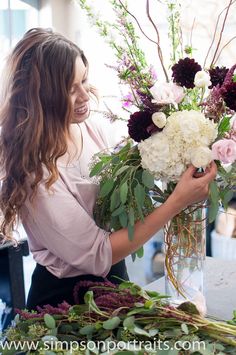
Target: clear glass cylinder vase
[185, 253]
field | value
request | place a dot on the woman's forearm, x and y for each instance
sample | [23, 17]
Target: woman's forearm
[188, 191]
[143, 231]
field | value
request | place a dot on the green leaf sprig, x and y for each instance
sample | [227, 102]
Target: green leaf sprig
[125, 188]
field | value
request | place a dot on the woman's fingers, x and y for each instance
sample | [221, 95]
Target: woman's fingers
[210, 172]
[208, 175]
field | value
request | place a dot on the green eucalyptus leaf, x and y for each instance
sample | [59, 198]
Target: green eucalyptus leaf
[121, 170]
[129, 322]
[188, 307]
[106, 188]
[139, 194]
[130, 231]
[123, 217]
[96, 169]
[141, 331]
[125, 149]
[118, 211]
[213, 211]
[184, 328]
[111, 323]
[115, 160]
[78, 309]
[228, 195]
[153, 331]
[87, 330]
[115, 200]
[124, 192]
[224, 125]
[53, 331]
[131, 216]
[214, 192]
[49, 321]
[147, 179]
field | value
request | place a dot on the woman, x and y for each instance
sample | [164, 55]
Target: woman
[46, 145]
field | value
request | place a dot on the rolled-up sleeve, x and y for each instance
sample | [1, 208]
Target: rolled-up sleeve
[64, 228]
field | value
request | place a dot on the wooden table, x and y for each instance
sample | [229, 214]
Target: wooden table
[220, 286]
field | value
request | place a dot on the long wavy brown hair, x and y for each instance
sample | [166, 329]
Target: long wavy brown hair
[35, 116]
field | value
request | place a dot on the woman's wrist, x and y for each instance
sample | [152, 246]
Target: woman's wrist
[175, 204]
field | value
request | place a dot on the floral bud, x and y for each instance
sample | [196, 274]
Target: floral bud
[159, 119]
[202, 79]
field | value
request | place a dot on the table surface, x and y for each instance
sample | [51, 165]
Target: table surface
[220, 286]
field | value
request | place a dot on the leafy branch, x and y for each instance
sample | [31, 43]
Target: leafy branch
[126, 313]
[125, 189]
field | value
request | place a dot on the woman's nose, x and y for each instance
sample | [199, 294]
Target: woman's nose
[83, 95]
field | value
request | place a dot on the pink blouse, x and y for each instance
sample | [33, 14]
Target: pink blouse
[62, 233]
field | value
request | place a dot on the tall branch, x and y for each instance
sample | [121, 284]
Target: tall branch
[136, 20]
[216, 27]
[224, 48]
[221, 32]
[158, 40]
[191, 33]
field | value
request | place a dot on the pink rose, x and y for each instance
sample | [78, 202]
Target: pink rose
[167, 93]
[224, 150]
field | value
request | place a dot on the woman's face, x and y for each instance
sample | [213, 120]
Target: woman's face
[79, 92]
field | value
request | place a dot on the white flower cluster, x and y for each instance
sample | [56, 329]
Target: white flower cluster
[185, 140]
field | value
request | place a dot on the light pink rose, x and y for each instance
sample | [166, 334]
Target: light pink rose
[167, 93]
[224, 150]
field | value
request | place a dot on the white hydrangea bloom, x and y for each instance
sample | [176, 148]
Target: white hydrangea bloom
[201, 157]
[168, 153]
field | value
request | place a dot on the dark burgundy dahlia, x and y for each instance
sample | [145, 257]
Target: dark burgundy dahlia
[184, 72]
[229, 95]
[140, 125]
[218, 75]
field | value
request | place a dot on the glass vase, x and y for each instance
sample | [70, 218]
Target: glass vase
[185, 253]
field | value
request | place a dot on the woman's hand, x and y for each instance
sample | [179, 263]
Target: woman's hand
[194, 187]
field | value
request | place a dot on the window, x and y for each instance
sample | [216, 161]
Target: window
[16, 17]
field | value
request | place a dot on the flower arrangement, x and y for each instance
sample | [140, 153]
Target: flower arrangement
[186, 119]
[122, 319]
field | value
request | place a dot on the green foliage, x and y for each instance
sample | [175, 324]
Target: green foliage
[214, 201]
[49, 321]
[175, 34]
[224, 126]
[148, 319]
[125, 189]
[111, 323]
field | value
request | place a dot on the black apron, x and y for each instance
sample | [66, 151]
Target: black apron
[49, 289]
